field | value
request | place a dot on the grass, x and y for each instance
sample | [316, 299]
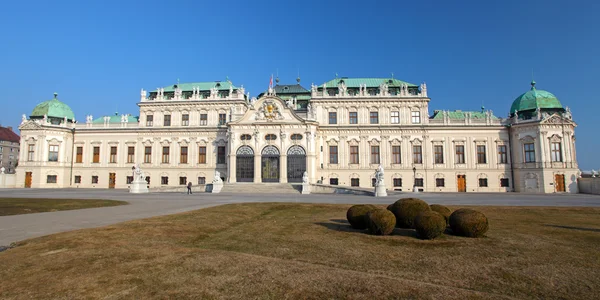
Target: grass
[308, 251]
[18, 206]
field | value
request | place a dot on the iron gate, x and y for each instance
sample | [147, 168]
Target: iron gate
[244, 164]
[270, 164]
[296, 163]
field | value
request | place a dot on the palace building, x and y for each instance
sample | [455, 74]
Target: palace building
[339, 132]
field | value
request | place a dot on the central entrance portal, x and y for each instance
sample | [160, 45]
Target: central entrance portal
[296, 163]
[270, 164]
[244, 161]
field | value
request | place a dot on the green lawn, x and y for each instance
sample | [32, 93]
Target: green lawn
[18, 206]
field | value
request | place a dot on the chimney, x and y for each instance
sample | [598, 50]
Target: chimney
[9, 128]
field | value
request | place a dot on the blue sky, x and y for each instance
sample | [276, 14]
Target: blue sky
[98, 54]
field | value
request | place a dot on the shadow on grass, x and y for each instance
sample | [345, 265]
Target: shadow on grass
[573, 227]
[343, 225]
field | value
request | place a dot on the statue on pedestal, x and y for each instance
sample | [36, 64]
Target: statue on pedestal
[23, 118]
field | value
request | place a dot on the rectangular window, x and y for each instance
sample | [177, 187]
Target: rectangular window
[333, 181]
[94, 179]
[417, 154]
[375, 155]
[529, 152]
[397, 182]
[30, 154]
[201, 180]
[374, 117]
[129, 179]
[165, 154]
[202, 155]
[184, 155]
[415, 117]
[221, 155]
[332, 117]
[164, 180]
[182, 180]
[203, 119]
[396, 158]
[502, 156]
[77, 178]
[149, 120]
[419, 182]
[79, 155]
[353, 154]
[481, 157]
[353, 117]
[53, 153]
[167, 120]
[504, 182]
[96, 155]
[222, 119]
[460, 154]
[130, 154]
[147, 154]
[556, 152]
[185, 120]
[439, 154]
[333, 154]
[113, 154]
[483, 182]
[51, 179]
[439, 182]
[395, 117]
[354, 182]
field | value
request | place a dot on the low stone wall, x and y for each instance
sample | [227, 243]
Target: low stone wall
[334, 189]
[8, 180]
[201, 188]
[589, 185]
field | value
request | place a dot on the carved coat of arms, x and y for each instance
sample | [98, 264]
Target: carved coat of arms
[269, 111]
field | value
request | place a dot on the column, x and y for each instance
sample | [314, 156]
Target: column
[364, 152]
[342, 148]
[310, 157]
[257, 160]
[384, 157]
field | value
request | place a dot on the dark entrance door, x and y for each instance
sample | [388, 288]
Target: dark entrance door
[244, 164]
[559, 180]
[28, 177]
[270, 164]
[112, 179]
[461, 183]
[296, 163]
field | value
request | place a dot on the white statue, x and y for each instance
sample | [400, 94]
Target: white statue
[217, 178]
[23, 118]
[45, 119]
[289, 103]
[309, 110]
[88, 119]
[252, 100]
[567, 113]
[313, 89]
[342, 89]
[214, 91]
[65, 121]
[2, 170]
[305, 177]
[538, 113]
[230, 91]
[379, 174]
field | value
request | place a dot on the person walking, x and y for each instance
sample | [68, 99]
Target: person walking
[189, 187]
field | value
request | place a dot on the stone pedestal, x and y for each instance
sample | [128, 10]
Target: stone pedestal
[138, 187]
[217, 186]
[305, 188]
[380, 190]
[415, 189]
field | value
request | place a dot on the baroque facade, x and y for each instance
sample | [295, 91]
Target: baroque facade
[339, 132]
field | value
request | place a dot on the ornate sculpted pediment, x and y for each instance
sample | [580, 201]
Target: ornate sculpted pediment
[269, 110]
[556, 119]
[30, 125]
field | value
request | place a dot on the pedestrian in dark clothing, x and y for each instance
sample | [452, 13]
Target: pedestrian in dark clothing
[189, 187]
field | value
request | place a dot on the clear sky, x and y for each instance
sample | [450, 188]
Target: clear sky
[98, 54]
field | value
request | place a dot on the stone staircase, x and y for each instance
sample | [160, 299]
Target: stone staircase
[261, 188]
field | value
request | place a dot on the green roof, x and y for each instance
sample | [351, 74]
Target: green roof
[460, 115]
[53, 109]
[298, 97]
[204, 86]
[370, 82]
[116, 118]
[534, 99]
[290, 89]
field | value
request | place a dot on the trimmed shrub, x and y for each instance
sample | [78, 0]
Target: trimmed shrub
[429, 225]
[357, 215]
[468, 222]
[442, 210]
[381, 222]
[406, 210]
[389, 207]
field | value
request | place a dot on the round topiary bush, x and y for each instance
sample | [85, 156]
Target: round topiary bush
[389, 207]
[381, 222]
[357, 215]
[468, 222]
[429, 225]
[406, 210]
[442, 210]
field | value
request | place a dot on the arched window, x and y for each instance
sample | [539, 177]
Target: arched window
[270, 137]
[296, 137]
[246, 137]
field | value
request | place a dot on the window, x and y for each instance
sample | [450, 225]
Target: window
[149, 120]
[246, 137]
[185, 120]
[77, 178]
[167, 120]
[296, 137]
[148, 179]
[419, 182]
[483, 182]
[130, 154]
[396, 158]
[415, 117]
[397, 182]
[165, 154]
[148, 154]
[529, 152]
[221, 155]
[439, 154]
[129, 179]
[94, 179]
[333, 181]
[30, 154]
[373, 182]
[439, 182]
[504, 182]
[202, 155]
[201, 180]
[395, 117]
[417, 154]
[354, 182]
[354, 155]
[182, 180]
[51, 179]
[481, 154]
[113, 154]
[333, 154]
[53, 153]
[332, 117]
[460, 154]
[353, 117]
[374, 117]
[164, 180]
[270, 137]
[222, 119]
[502, 157]
[96, 155]
[79, 155]
[556, 152]
[374, 154]
[184, 155]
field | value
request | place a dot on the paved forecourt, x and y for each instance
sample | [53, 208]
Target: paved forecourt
[19, 227]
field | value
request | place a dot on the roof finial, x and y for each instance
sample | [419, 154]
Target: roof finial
[277, 77]
[336, 75]
[177, 81]
[298, 78]
[55, 95]
[392, 75]
[532, 81]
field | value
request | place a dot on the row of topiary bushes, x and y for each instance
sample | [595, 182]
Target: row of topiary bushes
[430, 221]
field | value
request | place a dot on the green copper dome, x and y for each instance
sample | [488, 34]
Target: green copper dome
[53, 109]
[534, 99]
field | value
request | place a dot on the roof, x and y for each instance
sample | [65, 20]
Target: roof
[460, 115]
[116, 118]
[290, 89]
[534, 99]
[370, 82]
[54, 109]
[7, 134]
[204, 86]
